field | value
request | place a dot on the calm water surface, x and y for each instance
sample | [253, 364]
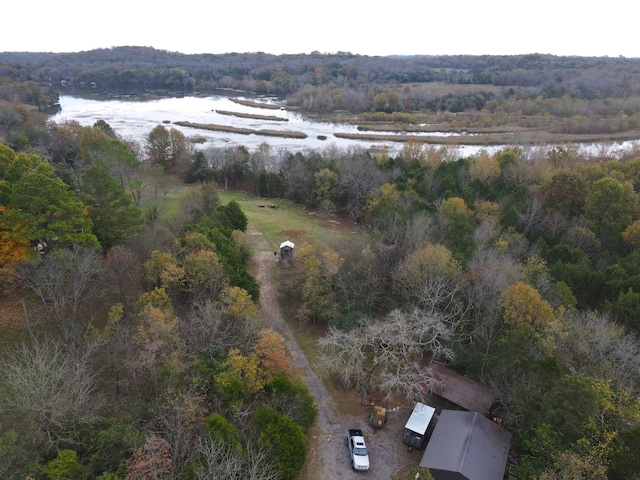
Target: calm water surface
[133, 119]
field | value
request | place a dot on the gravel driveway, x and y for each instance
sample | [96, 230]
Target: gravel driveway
[328, 455]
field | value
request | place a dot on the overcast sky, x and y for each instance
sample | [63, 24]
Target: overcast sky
[558, 27]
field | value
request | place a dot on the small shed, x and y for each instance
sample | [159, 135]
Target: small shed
[466, 446]
[286, 250]
[416, 430]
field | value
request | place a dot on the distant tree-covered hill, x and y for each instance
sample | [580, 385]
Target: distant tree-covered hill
[146, 67]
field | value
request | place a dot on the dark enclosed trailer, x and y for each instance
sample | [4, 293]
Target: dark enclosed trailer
[416, 430]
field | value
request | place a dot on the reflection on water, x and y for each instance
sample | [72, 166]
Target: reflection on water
[133, 119]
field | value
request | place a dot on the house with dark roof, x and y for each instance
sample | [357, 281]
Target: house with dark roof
[466, 446]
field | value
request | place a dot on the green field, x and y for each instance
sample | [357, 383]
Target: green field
[279, 220]
[276, 219]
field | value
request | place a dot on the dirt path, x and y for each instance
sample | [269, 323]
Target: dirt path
[328, 456]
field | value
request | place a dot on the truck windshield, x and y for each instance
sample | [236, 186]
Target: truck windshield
[359, 451]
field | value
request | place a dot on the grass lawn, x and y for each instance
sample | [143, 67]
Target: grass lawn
[168, 197]
[287, 221]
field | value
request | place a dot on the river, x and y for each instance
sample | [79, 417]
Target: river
[133, 118]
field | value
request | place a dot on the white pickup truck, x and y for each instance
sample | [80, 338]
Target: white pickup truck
[358, 451]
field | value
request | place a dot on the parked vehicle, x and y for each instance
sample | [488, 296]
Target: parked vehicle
[358, 450]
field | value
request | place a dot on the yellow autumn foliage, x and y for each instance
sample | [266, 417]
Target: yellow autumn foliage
[521, 304]
[245, 368]
[238, 304]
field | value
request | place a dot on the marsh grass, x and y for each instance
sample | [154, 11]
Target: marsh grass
[253, 116]
[251, 103]
[243, 131]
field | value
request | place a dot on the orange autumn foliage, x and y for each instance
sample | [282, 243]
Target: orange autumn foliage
[271, 352]
[13, 248]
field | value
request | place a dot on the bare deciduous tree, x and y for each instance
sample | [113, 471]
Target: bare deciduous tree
[429, 279]
[488, 274]
[51, 389]
[358, 178]
[181, 418]
[392, 355]
[553, 223]
[518, 391]
[359, 282]
[583, 238]
[123, 277]
[592, 344]
[530, 217]
[220, 459]
[209, 327]
[201, 329]
[64, 281]
[259, 464]
[151, 461]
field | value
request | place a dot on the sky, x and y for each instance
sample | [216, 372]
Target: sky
[400, 27]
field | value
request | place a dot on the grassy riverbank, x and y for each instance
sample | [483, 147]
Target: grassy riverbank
[251, 103]
[253, 116]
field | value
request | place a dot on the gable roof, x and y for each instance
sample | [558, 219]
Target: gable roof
[287, 243]
[467, 445]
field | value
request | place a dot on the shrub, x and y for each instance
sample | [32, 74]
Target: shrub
[284, 440]
[64, 467]
[294, 400]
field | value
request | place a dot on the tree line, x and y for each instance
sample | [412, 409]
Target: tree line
[146, 67]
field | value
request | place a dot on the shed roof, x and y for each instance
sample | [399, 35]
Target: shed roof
[462, 391]
[420, 418]
[467, 445]
[287, 243]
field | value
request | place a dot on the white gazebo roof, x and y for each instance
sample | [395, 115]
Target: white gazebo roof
[287, 243]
